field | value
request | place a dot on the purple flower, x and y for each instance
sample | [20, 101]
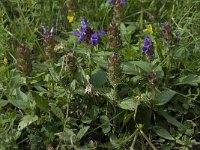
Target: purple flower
[84, 21]
[102, 32]
[147, 47]
[48, 34]
[76, 33]
[122, 2]
[95, 39]
[111, 1]
[147, 43]
[88, 35]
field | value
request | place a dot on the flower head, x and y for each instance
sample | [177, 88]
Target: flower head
[88, 35]
[147, 47]
[122, 2]
[149, 29]
[95, 39]
[70, 19]
[47, 34]
[111, 1]
[147, 44]
[89, 89]
[49, 41]
[114, 36]
[5, 60]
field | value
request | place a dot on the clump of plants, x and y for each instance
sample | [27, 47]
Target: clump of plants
[110, 74]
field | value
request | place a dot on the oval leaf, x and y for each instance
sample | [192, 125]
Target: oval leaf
[129, 104]
[27, 120]
[82, 132]
[164, 133]
[164, 97]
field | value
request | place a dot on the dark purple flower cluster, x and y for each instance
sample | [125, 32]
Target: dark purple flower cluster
[148, 48]
[88, 35]
[48, 36]
[167, 33]
[122, 2]
[49, 42]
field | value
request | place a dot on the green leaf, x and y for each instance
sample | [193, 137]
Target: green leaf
[82, 132]
[129, 104]
[129, 68]
[164, 133]
[169, 118]
[98, 78]
[164, 96]
[3, 69]
[86, 120]
[3, 103]
[103, 53]
[123, 29]
[101, 62]
[20, 95]
[143, 65]
[192, 79]
[21, 100]
[106, 124]
[27, 120]
[57, 111]
[40, 102]
[67, 135]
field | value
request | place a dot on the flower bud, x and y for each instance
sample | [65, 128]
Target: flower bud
[114, 68]
[23, 57]
[114, 37]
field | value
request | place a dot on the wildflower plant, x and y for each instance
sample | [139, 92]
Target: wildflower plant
[70, 19]
[49, 42]
[118, 10]
[129, 87]
[148, 48]
[149, 29]
[168, 34]
[24, 60]
[88, 35]
[114, 37]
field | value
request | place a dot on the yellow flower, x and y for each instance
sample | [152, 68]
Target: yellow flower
[70, 19]
[5, 60]
[149, 29]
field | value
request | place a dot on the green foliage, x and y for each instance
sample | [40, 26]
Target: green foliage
[69, 101]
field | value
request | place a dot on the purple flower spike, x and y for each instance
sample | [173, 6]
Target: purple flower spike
[147, 44]
[123, 2]
[87, 34]
[148, 48]
[102, 32]
[76, 33]
[111, 1]
[95, 39]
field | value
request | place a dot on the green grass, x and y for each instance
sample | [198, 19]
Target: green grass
[152, 104]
